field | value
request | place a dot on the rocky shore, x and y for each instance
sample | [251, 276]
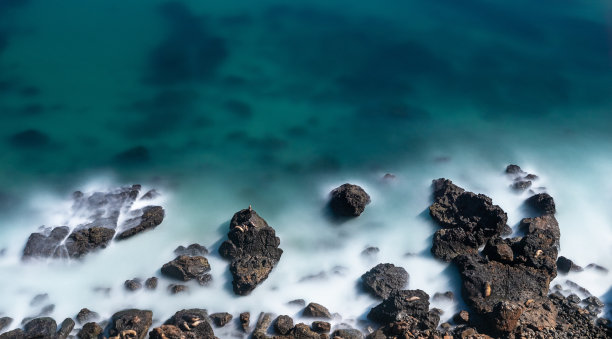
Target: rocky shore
[505, 281]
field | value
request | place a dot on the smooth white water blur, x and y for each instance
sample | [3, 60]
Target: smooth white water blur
[396, 222]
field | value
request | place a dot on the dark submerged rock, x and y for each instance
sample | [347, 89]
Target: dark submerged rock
[186, 268]
[542, 203]
[137, 155]
[30, 138]
[252, 246]
[348, 200]
[178, 288]
[152, 216]
[514, 169]
[384, 279]
[314, 310]
[521, 185]
[565, 265]
[370, 251]
[133, 323]
[221, 319]
[133, 284]
[192, 250]
[90, 330]
[85, 315]
[45, 245]
[283, 324]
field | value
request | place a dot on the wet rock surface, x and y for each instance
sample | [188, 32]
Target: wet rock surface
[400, 305]
[131, 323]
[190, 323]
[383, 279]
[314, 310]
[90, 330]
[221, 319]
[186, 268]
[102, 211]
[253, 249]
[542, 203]
[85, 315]
[348, 200]
[192, 250]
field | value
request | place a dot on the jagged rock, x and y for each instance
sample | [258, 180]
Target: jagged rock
[321, 326]
[221, 319]
[542, 203]
[186, 268]
[451, 242]
[574, 321]
[65, 328]
[151, 217]
[151, 283]
[565, 265]
[193, 323]
[401, 304]
[505, 316]
[314, 310]
[133, 284]
[133, 323]
[514, 169]
[348, 333]
[498, 250]
[85, 315]
[475, 214]
[81, 242]
[166, 332]
[245, 320]
[192, 250]
[539, 247]
[44, 327]
[593, 305]
[90, 331]
[5, 322]
[348, 200]
[283, 324]
[45, 245]
[383, 279]
[252, 246]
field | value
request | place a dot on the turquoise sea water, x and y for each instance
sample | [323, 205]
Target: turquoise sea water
[269, 103]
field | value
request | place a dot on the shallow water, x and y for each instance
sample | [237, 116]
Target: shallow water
[273, 105]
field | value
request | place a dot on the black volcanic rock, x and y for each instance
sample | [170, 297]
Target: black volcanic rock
[542, 203]
[40, 328]
[400, 305]
[90, 330]
[186, 268]
[193, 323]
[131, 323]
[348, 200]
[475, 214]
[151, 217]
[565, 265]
[314, 310]
[514, 169]
[221, 319]
[383, 279]
[252, 247]
[283, 324]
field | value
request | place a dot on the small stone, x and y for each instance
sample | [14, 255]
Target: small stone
[178, 288]
[245, 319]
[542, 203]
[321, 326]
[85, 315]
[297, 302]
[314, 310]
[151, 283]
[65, 328]
[90, 331]
[221, 319]
[513, 169]
[348, 200]
[463, 317]
[133, 285]
[521, 185]
[185, 267]
[565, 265]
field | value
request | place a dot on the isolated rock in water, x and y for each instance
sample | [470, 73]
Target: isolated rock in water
[177, 288]
[151, 217]
[193, 323]
[400, 305]
[521, 185]
[453, 207]
[221, 319]
[131, 323]
[151, 283]
[193, 250]
[83, 241]
[252, 246]
[45, 245]
[85, 315]
[543, 203]
[514, 169]
[90, 331]
[383, 279]
[314, 310]
[283, 324]
[348, 200]
[40, 328]
[133, 284]
[186, 268]
[245, 320]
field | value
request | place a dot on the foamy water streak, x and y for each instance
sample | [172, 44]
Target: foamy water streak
[322, 261]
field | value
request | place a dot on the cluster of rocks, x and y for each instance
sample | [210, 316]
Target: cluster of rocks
[103, 211]
[521, 179]
[252, 247]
